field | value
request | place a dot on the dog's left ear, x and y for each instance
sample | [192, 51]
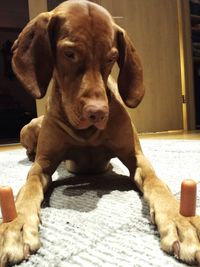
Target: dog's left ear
[130, 79]
[32, 60]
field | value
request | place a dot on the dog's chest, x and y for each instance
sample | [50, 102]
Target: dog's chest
[89, 159]
[89, 153]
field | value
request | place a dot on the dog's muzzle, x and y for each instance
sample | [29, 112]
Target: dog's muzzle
[96, 115]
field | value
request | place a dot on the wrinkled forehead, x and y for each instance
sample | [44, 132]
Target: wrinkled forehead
[83, 22]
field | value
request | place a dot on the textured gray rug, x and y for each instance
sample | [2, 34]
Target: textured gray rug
[101, 220]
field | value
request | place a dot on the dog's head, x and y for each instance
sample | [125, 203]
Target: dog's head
[78, 43]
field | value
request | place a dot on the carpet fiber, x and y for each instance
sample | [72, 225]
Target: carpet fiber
[101, 220]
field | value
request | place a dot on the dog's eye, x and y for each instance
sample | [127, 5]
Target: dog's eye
[70, 55]
[111, 60]
[112, 57]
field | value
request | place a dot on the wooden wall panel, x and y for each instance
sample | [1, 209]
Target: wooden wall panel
[153, 27]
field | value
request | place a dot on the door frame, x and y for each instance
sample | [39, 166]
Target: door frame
[186, 63]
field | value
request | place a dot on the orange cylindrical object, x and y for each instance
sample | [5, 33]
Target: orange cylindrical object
[188, 198]
[7, 203]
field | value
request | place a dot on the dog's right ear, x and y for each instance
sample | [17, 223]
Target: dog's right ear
[32, 59]
[130, 79]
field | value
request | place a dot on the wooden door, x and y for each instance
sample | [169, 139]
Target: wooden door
[153, 28]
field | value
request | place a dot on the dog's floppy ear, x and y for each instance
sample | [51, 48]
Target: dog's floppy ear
[130, 79]
[32, 60]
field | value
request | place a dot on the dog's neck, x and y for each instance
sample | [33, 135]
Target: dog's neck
[81, 136]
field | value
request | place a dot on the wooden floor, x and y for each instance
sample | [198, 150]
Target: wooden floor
[182, 135]
[7, 147]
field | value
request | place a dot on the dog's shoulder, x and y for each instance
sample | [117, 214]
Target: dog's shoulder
[116, 100]
[117, 108]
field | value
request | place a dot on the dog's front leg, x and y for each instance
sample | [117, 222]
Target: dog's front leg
[20, 237]
[179, 235]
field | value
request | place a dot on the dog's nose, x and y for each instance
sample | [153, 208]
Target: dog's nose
[95, 114]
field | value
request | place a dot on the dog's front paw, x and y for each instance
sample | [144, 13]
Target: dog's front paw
[18, 239]
[179, 235]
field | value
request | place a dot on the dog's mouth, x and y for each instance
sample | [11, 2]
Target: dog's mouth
[85, 124]
[89, 117]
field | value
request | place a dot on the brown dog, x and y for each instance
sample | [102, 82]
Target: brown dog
[86, 121]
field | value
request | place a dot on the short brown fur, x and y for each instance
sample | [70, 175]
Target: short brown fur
[85, 122]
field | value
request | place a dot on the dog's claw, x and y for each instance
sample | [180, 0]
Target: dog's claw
[40, 219]
[152, 217]
[197, 257]
[4, 260]
[176, 249]
[27, 251]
